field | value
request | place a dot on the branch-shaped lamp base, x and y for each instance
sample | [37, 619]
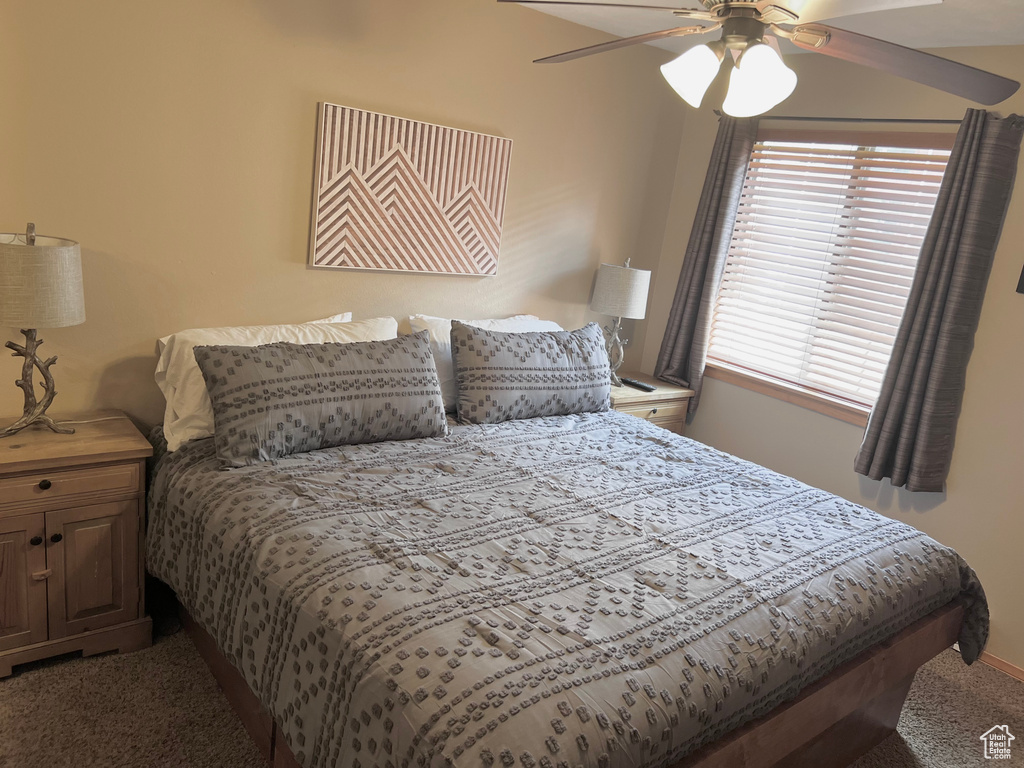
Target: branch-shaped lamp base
[616, 352]
[35, 411]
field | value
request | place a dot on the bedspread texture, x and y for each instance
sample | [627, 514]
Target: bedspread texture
[570, 591]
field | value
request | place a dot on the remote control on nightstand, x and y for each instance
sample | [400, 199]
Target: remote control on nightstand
[638, 385]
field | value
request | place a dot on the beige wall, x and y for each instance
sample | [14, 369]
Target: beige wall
[174, 140]
[981, 514]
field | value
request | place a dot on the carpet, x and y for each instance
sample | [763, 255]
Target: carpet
[149, 709]
[949, 707]
[161, 707]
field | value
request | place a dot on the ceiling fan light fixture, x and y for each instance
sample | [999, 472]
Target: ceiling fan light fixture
[759, 82]
[691, 74]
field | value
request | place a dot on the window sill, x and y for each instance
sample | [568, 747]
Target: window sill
[834, 407]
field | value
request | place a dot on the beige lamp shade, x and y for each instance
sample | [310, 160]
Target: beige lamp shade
[40, 284]
[621, 291]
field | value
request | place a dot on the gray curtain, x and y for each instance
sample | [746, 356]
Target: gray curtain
[909, 436]
[684, 349]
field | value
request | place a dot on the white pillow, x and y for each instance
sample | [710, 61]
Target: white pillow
[188, 414]
[344, 317]
[440, 329]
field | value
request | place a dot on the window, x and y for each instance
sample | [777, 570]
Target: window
[821, 260]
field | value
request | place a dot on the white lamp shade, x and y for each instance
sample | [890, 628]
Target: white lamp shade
[759, 82]
[40, 284]
[621, 291]
[691, 74]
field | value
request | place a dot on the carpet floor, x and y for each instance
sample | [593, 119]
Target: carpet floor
[161, 707]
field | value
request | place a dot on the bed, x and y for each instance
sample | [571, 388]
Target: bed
[585, 590]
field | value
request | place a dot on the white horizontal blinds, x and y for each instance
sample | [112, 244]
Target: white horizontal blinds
[822, 256]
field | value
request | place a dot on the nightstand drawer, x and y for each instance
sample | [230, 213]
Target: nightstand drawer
[667, 411]
[41, 488]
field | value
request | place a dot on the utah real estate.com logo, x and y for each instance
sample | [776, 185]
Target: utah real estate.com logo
[997, 742]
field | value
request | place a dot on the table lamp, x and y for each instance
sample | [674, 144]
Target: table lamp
[619, 292]
[40, 287]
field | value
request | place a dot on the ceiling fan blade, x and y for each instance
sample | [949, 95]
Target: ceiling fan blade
[685, 13]
[928, 69]
[817, 10]
[622, 43]
[773, 13]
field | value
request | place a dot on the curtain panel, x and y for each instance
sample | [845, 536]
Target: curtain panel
[909, 436]
[684, 348]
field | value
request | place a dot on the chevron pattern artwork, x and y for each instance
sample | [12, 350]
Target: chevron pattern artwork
[396, 194]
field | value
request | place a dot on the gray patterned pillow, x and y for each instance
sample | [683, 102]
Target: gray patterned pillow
[504, 376]
[278, 399]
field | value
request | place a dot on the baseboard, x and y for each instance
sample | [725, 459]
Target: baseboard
[1003, 666]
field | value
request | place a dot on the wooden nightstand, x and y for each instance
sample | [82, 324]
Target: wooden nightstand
[665, 406]
[71, 525]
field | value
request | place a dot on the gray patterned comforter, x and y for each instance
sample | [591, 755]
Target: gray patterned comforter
[568, 591]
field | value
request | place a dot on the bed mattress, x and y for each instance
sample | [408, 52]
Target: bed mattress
[568, 591]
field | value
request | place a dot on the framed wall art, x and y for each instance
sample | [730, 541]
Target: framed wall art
[402, 195]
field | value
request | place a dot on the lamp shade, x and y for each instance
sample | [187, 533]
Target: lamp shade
[621, 291]
[690, 75]
[40, 284]
[759, 82]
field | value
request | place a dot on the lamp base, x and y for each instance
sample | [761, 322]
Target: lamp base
[616, 352]
[35, 411]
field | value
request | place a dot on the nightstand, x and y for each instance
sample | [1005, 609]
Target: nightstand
[665, 406]
[71, 526]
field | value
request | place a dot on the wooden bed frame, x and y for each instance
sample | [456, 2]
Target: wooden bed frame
[829, 725]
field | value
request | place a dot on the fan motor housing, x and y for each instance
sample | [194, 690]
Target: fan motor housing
[739, 32]
[713, 5]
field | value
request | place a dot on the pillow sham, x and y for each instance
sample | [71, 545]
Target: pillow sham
[343, 317]
[187, 414]
[440, 330]
[503, 376]
[278, 399]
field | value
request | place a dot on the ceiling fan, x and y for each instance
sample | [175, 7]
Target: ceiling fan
[760, 79]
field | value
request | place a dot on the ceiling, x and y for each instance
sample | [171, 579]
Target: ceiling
[951, 23]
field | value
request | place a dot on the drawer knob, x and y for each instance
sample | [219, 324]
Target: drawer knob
[56, 538]
[45, 485]
[35, 541]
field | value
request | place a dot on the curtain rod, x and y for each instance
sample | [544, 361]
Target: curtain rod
[801, 118]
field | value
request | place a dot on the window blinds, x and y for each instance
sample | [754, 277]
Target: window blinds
[821, 260]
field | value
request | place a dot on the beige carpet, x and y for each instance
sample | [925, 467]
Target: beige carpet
[950, 705]
[161, 707]
[156, 707]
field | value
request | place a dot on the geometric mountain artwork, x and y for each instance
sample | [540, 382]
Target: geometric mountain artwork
[396, 194]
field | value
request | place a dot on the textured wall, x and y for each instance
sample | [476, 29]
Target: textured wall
[981, 513]
[175, 141]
